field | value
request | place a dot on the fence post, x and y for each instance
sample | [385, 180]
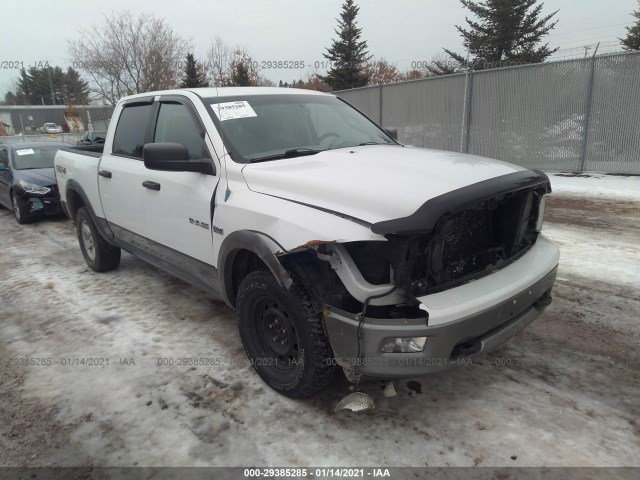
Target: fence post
[380, 106]
[466, 113]
[587, 111]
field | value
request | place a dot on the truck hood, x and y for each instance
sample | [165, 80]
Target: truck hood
[371, 183]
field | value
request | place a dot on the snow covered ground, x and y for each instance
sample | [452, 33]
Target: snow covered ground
[565, 392]
[598, 185]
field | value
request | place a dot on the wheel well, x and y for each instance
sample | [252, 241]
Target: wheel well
[318, 277]
[74, 203]
[243, 263]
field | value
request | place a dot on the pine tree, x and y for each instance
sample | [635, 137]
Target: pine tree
[506, 32]
[194, 75]
[243, 71]
[50, 85]
[240, 75]
[348, 53]
[632, 41]
[76, 90]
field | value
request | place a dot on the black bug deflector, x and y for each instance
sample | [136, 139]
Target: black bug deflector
[425, 218]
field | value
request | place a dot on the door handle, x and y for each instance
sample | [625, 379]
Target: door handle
[151, 185]
[104, 173]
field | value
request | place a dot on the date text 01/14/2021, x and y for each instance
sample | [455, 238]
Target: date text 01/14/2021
[326, 472]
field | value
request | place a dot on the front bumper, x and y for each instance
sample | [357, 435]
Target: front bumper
[463, 322]
[43, 205]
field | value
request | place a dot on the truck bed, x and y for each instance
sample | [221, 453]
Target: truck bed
[78, 166]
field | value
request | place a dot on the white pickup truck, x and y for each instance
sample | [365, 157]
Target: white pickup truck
[336, 245]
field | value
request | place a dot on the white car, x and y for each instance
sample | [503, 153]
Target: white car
[336, 245]
[48, 128]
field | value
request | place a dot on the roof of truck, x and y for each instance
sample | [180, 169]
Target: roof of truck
[213, 92]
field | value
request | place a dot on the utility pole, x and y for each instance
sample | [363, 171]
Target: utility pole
[53, 98]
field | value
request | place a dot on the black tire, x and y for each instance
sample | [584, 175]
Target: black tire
[20, 210]
[97, 252]
[303, 365]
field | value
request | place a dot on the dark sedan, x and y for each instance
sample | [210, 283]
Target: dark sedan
[27, 179]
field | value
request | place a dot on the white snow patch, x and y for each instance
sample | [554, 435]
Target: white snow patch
[596, 185]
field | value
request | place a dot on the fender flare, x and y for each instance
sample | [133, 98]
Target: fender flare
[260, 244]
[100, 223]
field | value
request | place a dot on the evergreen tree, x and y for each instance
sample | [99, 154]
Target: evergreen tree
[240, 75]
[632, 41]
[50, 85]
[506, 32]
[76, 90]
[348, 53]
[243, 71]
[194, 75]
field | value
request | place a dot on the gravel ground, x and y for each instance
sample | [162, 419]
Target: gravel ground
[565, 392]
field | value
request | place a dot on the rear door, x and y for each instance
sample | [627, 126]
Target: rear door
[121, 172]
[180, 204]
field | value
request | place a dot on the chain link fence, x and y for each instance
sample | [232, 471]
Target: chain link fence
[576, 115]
[70, 138]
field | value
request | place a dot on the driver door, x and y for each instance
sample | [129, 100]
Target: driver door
[181, 203]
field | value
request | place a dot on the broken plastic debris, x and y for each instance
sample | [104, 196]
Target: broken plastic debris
[389, 390]
[356, 402]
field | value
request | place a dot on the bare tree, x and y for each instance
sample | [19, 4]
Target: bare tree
[227, 65]
[218, 62]
[127, 55]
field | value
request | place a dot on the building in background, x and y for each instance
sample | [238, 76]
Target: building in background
[28, 119]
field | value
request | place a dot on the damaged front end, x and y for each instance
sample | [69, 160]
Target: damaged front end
[375, 315]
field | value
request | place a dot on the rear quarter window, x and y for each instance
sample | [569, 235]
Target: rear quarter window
[131, 129]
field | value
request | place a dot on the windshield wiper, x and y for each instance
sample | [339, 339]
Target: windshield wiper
[372, 143]
[292, 153]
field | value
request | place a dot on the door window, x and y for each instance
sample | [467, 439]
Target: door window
[130, 132]
[176, 125]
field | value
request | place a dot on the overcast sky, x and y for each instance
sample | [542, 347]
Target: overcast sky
[401, 31]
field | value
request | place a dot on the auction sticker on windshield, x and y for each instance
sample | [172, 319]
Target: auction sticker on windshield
[232, 110]
[25, 151]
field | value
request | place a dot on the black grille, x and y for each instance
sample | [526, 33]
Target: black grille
[476, 240]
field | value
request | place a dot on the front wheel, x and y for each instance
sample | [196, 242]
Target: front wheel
[282, 333]
[97, 252]
[20, 209]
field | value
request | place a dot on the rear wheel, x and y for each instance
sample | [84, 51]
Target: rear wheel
[97, 252]
[20, 209]
[282, 333]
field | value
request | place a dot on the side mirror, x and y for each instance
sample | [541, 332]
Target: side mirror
[392, 132]
[173, 157]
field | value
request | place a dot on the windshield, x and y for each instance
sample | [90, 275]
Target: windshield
[50, 125]
[271, 127]
[34, 157]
